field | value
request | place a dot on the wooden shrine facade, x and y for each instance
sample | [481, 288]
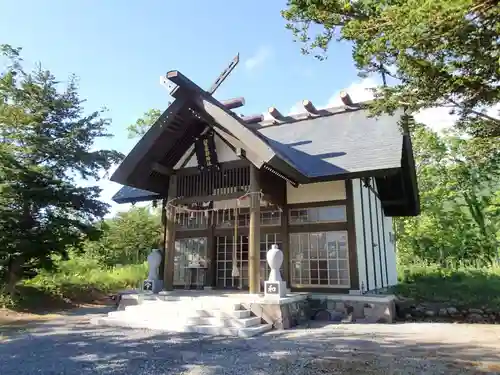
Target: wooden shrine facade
[323, 185]
[220, 234]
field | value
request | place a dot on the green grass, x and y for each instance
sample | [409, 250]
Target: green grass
[83, 280]
[463, 286]
[78, 280]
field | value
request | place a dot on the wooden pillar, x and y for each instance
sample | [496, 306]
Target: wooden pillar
[163, 238]
[351, 235]
[211, 278]
[168, 274]
[254, 233]
[285, 246]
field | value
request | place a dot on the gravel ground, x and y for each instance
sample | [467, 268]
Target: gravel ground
[71, 345]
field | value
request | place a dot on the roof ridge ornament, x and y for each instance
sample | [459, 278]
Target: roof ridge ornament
[231, 103]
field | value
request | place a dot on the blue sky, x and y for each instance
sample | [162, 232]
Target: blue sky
[119, 50]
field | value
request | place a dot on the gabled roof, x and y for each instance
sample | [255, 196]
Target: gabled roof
[157, 152]
[332, 144]
[344, 144]
[129, 194]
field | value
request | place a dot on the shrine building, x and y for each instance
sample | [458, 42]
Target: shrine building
[323, 185]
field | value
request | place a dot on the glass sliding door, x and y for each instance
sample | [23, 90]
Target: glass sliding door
[188, 251]
[231, 254]
[227, 253]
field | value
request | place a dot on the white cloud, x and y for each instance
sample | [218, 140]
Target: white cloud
[358, 91]
[438, 119]
[262, 55]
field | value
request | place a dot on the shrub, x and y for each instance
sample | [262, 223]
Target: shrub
[78, 280]
[463, 285]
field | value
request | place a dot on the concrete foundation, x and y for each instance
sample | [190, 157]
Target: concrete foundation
[243, 314]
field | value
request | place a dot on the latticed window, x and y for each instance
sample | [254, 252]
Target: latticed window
[319, 259]
[318, 215]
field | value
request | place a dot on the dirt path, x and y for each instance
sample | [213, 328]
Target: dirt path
[69, 344]
[12, 322]
[11, 317]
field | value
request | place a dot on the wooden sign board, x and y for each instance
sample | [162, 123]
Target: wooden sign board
[206, 153]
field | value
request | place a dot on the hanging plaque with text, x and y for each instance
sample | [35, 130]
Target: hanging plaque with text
[206, 153]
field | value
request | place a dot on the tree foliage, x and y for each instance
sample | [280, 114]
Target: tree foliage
[127, 238]
[143, 124]
[439, 53]
[459, 183]
[46, 143]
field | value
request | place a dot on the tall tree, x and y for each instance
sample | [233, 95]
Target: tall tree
[128, 237]
[440, 52]
[142, 125]
[46, 142]
[460, 220]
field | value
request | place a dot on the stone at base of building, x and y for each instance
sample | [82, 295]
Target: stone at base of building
[352, 308]
[355, 292]
[275, 289]
[152, 286]
[282, 313]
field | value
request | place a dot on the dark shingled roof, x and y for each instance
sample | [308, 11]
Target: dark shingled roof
[129, 194]
[343, 143]
[320, 145]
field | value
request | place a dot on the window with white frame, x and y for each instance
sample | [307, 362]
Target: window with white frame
[188, 251]
[319, 259]
[318, 215]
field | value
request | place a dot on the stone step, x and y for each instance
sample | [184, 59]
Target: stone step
[174, 311]
[224, 321]
[214, 316]
[240, 314]
[173, 327]
[153, 298]
[216, 331]
[143, 324]
[230, 331]
[238, 318]
[168, 308]
[255, 330]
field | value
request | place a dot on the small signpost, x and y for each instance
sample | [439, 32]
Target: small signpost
[272, 288]
[148, 285]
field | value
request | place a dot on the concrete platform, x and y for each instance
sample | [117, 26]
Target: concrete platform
[204, 312]
[236, 313]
